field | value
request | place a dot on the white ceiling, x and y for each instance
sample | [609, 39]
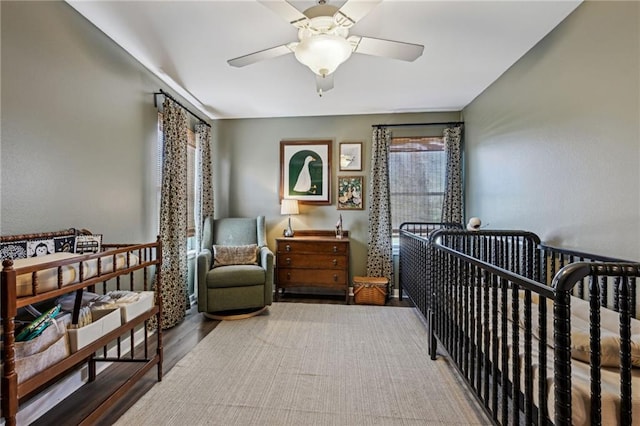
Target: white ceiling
[468, 45]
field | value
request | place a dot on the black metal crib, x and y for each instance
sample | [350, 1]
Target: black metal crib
[488, 296]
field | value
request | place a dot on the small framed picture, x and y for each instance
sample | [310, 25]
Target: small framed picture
[350, 192]
[351, 156]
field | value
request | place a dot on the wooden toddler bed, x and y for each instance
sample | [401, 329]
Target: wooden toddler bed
[38, 283]
[541, 335]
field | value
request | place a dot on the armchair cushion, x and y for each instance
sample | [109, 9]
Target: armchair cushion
[236, 276]
[235, 255]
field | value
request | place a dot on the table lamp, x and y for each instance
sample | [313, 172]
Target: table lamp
[289, 207]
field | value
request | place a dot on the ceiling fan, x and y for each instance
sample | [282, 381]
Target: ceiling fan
[324, 40]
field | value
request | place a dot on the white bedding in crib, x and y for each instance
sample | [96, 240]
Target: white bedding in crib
[580, 368]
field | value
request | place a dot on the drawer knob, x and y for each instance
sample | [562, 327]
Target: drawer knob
[335, 249]
[287, 261]
[335, 277]
[335, 262]
[289, 276]
[287, 247]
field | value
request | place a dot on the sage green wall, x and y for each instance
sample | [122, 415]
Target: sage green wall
[247, 171]
[78, 128]
[553, 146]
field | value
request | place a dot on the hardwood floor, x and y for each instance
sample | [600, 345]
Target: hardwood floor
[177, 342]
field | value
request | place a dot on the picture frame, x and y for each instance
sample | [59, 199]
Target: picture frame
[350, 192]
[350, 156]
[305, 171]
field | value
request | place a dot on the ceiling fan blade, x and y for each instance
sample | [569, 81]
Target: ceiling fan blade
[261, 55]
[285, 10]
[355, 10]
[324, 84]
[386, 48]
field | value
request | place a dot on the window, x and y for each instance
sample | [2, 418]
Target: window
[417, 168]
[191, 181]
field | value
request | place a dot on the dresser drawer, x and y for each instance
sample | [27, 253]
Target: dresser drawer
[316, 247]
[320, 261]
[311, 277]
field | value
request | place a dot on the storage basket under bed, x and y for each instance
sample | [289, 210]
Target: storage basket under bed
[370, 290]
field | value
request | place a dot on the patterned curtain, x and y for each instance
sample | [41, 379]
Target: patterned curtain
[452, 207]
[204, 197]
[379, 249]
[173, 214]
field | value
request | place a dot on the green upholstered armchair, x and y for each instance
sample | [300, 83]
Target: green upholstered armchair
[234, 287]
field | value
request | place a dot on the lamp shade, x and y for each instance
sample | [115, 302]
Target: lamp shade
[289, 207]
[323, 53]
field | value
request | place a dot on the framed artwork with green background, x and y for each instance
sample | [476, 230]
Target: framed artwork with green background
[305, 171]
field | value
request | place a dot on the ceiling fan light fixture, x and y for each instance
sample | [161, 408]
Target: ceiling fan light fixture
[323, 53]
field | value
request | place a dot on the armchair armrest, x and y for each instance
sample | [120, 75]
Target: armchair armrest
[266, 257]
[266, 260]
[203, 264]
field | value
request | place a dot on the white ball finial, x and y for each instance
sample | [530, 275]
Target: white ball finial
[474, 224]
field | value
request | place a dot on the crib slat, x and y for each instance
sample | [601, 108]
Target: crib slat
[625, 353]
[474, 319]
[457, 314]
[467, 325]
[504, 355]
[478, 336]
[595, 357]
[528, 378]
[632, 295]
[494, 344]
[616, 294]
[515, 354]
[487, 334]
[542, 359]
[562, 355]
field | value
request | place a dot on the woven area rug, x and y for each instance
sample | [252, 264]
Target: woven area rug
[311, 364]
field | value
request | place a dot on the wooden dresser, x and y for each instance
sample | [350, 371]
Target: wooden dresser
[313, 259]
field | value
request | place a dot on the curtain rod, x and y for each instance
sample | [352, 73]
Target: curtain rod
[446, 123]
[163, 93]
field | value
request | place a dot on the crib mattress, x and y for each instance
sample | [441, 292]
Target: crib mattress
[48, 278]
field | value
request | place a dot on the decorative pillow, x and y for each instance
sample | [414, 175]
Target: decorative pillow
[65, 244]
[235, 255]
[88, 243]
[13, 250]
[37, 248]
